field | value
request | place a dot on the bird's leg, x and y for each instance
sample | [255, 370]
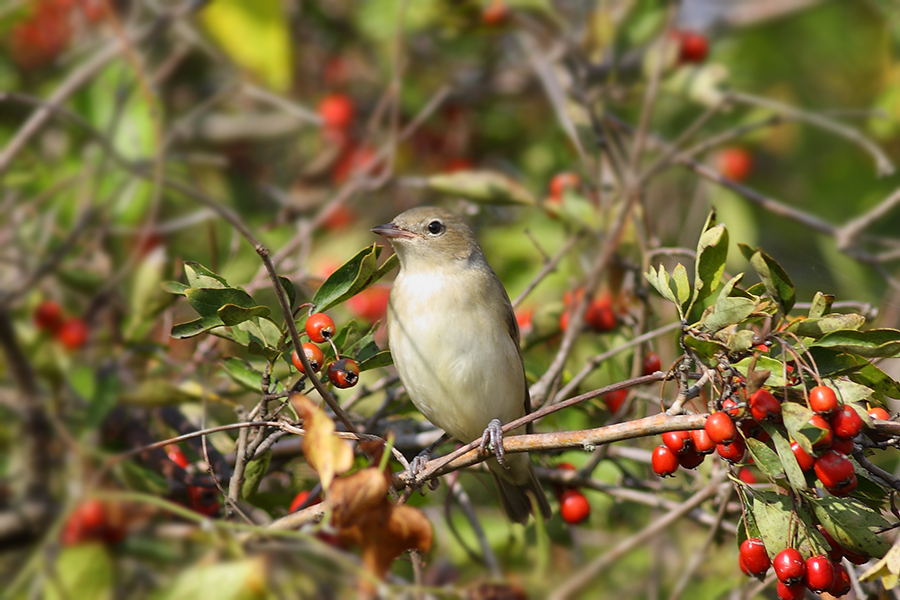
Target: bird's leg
[493, 437]
[417, 465]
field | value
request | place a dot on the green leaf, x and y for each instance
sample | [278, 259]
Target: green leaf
[786, 457]
[776, 280]
[482, 186]
[817, 327]
[872, 377]
[257, 349]
[821, 304]
[231, 314]
[289, 291]
[850, 392]
[350, 278]
[207, 302]
[256, 36]
[254, 472]
[775, 368]
[103, 400]
[796, 421]
[243, 579]
[727, 312]
[705, 349]
[84, 570]
[871, 343]
[243, 373]
[381, 359]
[195, 327]
[784, 523]
[766, 459]
[175, 287]
[156, 392]
[682, 285]
[712, 251]
[740, 341]
[199, 276]
[660, 282]
[851, 524]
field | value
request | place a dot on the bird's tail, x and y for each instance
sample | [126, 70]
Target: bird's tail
[514, 483]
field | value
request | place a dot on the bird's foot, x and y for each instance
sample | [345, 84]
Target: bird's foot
[492, 440]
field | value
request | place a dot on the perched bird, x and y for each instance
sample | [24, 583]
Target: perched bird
[455, 343]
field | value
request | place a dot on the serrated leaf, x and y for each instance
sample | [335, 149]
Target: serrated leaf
[488, 187]
[682, 285]
[766, 459]
[381, 359]
[231, 314]
[712, 252]
[199, 276]
[350, 278]
[175, 287]
[85, 569]
[818, 327]
[660, 282]
[786, 457]
[242, 373]
[289, 291]
[872, 343]
[796, 421]
[254, 472]
[851, 524]
[821, 304]
[776, 280]
[207, 302]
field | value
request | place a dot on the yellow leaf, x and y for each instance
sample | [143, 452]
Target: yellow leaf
[328, 454]
[255, 36]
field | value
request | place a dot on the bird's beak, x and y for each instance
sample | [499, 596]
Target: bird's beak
[393, 231]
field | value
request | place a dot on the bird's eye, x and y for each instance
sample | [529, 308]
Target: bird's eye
[436, 228]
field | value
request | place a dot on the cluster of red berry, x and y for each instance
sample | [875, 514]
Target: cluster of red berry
[692, 47]
[203, 500]
[818, 573]
[71, 332]
[47, 30]
[343, 372]
[93, 521]
[600, 315]
[574, 507]
[338, 116]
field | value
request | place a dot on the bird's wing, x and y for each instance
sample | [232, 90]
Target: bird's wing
[513, 326]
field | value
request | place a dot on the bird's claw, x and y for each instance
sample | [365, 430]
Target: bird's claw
[492, 440]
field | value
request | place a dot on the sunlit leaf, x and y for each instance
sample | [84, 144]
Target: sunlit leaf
[85, 568]
[871, 343]
[817, 327]
[851, 523]
[482, 186]
[775, 278]
[352, 277]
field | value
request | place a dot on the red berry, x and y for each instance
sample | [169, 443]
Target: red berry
[664, 461]
[614, 400]
[566, 466]
[176, 455]
[836, 473]
[746, 475]
[319, 327]
[313, 355]
[90, 521]
[370, 304]
[692, 47]
[72, 334]
[841, 583]
[652, 363]
[600, 315]
[764, 406]
[678, 442]
[836, 551]
[753, 555]
[819, 573]
[822, 400]
[560, 183]
[877, 412]
[805, 461]
[846, 422]
[355, 159]
[736, 163]
[826, 437]
[789, 566]
[728, 406]
[743, 567]
[842, 445]
[733, 452]
[336, 111]
[495, 14]
[720, 428]
[690, 459]
[48, 316]
[574, 507]
[343, 373]
[300, 498]
[796, 591]
[203, 500]
[702, 443]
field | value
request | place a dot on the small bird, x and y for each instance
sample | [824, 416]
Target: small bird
[455, 343]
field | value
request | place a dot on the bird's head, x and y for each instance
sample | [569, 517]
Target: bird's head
[430, 236]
